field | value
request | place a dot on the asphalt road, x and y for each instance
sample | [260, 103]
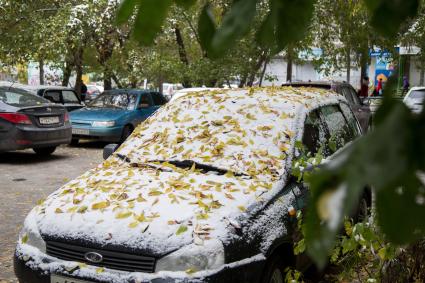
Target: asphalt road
[25, 178]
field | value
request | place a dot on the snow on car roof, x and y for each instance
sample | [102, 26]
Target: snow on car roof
[145, 204]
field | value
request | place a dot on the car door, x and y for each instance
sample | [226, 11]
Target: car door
[361, 111]
[145, 107]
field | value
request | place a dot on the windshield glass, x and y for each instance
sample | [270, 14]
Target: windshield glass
[20, 98]
[70, 97]
[114, 100]
[244, 133]
[417, 94]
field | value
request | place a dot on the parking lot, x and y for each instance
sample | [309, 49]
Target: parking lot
[27, 178]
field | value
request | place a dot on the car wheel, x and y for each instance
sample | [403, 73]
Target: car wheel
[45, 150]
[74, 142]
[126, 132]
[275, 271]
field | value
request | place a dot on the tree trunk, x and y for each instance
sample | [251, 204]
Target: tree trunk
[422, 74]
[289, 67]
[118, 83]
[364, 60]
[262, 58]
[66, 74]
[264, 71]
[242, 82]
[182, 53]
[348, 65]
[41, 69]
[78, 62]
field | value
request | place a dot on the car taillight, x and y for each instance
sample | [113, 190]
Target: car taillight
[66, 117]
[16, 118]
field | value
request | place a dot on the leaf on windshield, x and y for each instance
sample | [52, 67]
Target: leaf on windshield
[181, 230]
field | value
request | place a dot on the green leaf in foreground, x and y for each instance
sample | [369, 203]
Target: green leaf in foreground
[395, 10]
[206, 27]
[389, 160]
[185, 3]
[149, 20]
[125, 10]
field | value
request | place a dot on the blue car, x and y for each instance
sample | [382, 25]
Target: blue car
[114, 114]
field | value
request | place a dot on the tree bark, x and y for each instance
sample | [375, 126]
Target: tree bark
[348, 65]
[41, 69]
[262, 58]
[266, 62]
[78, 62]
[117, 81]
[66, 74]
[364, 60]
[182, 53]
[289, 67]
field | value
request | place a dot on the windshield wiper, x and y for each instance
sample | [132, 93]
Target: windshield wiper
[185, 164]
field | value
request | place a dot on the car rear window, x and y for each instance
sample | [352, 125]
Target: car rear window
[70, 97]
[53, 96]
[20, 98]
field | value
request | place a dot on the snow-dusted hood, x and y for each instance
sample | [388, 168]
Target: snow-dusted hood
[154, 210]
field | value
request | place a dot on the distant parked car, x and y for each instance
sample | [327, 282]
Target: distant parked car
[58, 95]
[114, 114]
[414, 99]
[93, 91]
[361, 110]
[29, 121]
[185, 91]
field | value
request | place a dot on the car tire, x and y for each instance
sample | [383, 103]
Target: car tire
[126, 132]
[45, 151]
[74, 142]
[275, 270]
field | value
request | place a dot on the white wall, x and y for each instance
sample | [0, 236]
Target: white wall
[304, 72]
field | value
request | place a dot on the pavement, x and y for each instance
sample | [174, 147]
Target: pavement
[26, 178]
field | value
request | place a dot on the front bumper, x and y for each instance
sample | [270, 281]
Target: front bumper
[111, 134]
[32, 266]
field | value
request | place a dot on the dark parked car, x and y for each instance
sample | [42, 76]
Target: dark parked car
[59, 95]
[29, 121]
[113, 115]
[202, 192]
[361, 110]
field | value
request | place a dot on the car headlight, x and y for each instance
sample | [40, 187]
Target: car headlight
[30, 234]
[103, 123]
[193, 257]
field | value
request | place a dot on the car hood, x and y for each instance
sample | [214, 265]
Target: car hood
[151, 210]
[97, 114]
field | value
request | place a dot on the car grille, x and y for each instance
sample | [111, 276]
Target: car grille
[111, 259]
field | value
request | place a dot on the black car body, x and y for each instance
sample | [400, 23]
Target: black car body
[220, 208]
[361, 110]
[29, 121]
[59, 95]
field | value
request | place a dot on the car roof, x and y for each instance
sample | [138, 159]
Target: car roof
[318, 84]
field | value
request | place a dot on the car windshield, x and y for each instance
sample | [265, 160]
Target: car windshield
[20, 98]
[417, 94]
[114, 100]
[246, 134]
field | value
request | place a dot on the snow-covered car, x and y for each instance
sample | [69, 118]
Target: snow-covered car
[414, 99]
[186, 91]
[202, 191]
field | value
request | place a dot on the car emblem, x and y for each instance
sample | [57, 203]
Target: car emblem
[93, 257]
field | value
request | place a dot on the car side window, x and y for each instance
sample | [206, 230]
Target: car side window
[314, 136]
[158, 98]
[339, 130]
[354, 96]
[351, 120]
[53, 96]
[347, 94]
[145, 101]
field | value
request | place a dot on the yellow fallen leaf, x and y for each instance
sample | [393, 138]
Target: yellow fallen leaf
[124, 214]
[100, 205]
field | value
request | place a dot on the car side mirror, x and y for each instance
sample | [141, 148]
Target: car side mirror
[109, 150]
